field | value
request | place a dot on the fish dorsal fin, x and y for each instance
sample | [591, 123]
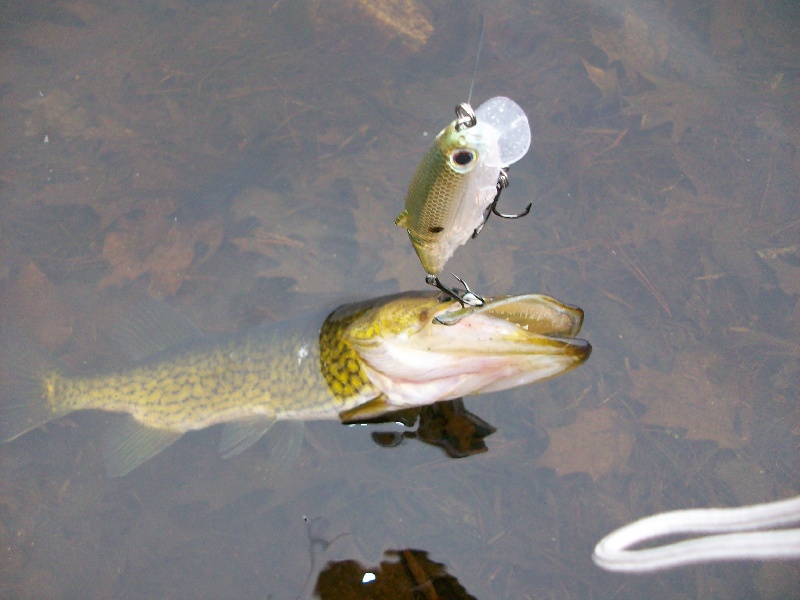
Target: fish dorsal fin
[127, 444]
[153, 326]
[238, 436]
[402, 219]
[369, 410]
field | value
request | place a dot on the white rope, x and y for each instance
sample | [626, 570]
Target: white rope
[740, 539]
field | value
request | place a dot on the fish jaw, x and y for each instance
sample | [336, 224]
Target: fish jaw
[484, 351]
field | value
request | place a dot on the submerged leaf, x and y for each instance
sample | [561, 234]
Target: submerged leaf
[688, 399]
[408, 21]
[785, 263]
[32, 303]
[56, 112]
[153, 243]
[672, 101]
[635, 44]
[594, 443]
[605, 79]
[310, 242]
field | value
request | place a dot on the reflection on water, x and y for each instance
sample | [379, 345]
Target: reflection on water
[447, 425]
[403, 574]
[244, 160]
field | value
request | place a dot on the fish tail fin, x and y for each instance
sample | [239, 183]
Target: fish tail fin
[26, 382]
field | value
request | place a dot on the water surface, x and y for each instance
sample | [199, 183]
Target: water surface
[245, 161]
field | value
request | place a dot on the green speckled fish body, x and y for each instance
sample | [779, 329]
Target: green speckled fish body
[270, 371]
[359, 361]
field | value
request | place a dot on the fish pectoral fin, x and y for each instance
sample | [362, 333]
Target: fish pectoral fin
[369, 410]
[238, 436]
[127, 443]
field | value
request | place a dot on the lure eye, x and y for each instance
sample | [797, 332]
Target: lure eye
[462, 158]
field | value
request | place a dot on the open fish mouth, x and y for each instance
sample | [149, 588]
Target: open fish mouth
[506, 342]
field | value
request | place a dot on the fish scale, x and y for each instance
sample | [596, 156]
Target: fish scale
[340, 365]
[196, 388]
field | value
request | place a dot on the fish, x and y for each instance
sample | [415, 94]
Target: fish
[355, 362]
[455, 185]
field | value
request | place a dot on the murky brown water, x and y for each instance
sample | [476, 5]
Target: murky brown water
[246, 160]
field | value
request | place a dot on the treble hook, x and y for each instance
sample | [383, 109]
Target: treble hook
[465, 116]
[502, 183]
[465, 298]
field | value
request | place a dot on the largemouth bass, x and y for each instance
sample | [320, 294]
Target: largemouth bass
[360, 361]
[456, 183]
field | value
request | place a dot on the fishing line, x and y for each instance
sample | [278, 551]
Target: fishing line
[477, 58]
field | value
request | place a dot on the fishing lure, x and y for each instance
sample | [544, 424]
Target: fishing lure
[458, 183]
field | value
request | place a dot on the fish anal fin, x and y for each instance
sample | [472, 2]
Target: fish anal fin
[238, 436]
[127, 443]
[369, 410]
[152, 326]
[285, 445]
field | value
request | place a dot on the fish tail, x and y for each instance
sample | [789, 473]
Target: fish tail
[27, 383]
